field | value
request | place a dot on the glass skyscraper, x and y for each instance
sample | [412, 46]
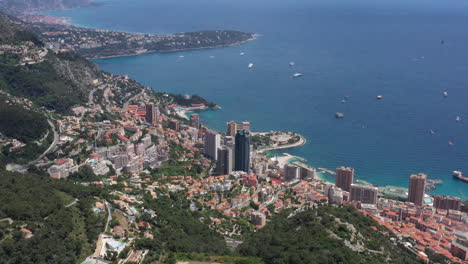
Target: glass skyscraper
[242, 151]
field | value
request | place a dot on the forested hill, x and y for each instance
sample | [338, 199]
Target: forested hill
[327, 234]
[57, 214]
[11, 33]
[29, 70]
[33, 83]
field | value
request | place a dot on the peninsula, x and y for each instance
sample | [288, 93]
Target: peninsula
[112, 173]
[98, 44]
[276, 140]
[60, 36]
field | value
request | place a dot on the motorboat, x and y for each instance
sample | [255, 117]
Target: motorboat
[459, 175]
[297, 75]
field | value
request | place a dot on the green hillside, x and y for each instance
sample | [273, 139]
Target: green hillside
[20, 123]
[61, 234]
[327, 234]
[58, 83]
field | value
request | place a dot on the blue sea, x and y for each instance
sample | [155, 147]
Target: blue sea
[409, 52]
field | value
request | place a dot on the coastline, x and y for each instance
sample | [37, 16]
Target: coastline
[286, 158]
[302, 141]
[67, 21]
[322, 175]
[174, 50]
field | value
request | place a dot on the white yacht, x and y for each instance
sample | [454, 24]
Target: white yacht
[250, 65]
[297, 75]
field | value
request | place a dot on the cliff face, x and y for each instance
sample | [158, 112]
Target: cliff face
[30, 5]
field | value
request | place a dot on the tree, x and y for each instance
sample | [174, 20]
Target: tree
[84, 173]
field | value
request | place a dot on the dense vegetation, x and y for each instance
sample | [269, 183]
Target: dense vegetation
[24, 154]
[25, 125]
[180, 230]
[61, 234]
[217, 259]
[306, 239]
[12, 34]
[42, 84]
[20, 123]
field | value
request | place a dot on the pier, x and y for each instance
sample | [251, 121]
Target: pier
[303, 165]
[327, 171]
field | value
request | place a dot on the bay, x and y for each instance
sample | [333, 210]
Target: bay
[353, 49]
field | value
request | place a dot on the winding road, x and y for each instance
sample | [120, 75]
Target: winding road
[51, 147]
[132, 98]
[109, 216]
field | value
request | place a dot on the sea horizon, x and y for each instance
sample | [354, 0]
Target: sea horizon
[390, 51]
